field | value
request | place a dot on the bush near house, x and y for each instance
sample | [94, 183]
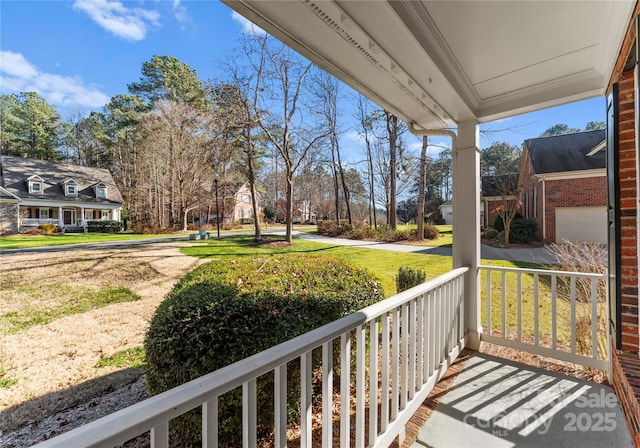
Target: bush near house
[227, 310]
[523, 231]
[104, 226]
[48, 228]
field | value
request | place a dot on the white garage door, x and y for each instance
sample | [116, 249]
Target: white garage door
[581, 224]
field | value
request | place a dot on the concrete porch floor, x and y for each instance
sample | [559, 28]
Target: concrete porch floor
[494, 402]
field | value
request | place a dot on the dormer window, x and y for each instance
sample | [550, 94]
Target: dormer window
[36, 184]
[70, 187]
[101, 190]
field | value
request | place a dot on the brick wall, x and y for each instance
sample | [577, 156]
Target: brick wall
[628, 215]
[626, 383]
[534, 209]
[584, 192]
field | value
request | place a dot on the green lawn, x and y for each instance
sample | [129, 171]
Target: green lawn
[25, 242]
[385, 264]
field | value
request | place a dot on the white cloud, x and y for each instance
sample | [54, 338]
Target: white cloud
[127, 23]
[19, 75]
[180, 12]
[246, 25]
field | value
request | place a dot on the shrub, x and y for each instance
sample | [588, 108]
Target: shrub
[490, 234]
[362, 233]
[48, 228]
[522, 231]
[227, 310]
[408, 278]
[104, 226]
[498, 224]
[145, 227]
[431, 232]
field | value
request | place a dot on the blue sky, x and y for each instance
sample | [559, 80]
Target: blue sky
[78, 54]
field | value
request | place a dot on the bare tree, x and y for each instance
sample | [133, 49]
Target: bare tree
[280, 83]
[327, 90]
[366, 124]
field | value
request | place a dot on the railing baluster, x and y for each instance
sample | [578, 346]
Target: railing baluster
[395, 363]
[439, 339]
[420, 340]
[594, 318]
[573, 315]
[404, 354]
[554, 296]
[249, 421]
[384, 374]
[412, 333]
[160, 436]
[360, 385]
[373, 381]
[504, 304]
[210, 423]
[536, 310]
[488, 301]
[280, 405]
[327, 394]
[432, 342]
[305, 400]
[519, 298]
[345, 389]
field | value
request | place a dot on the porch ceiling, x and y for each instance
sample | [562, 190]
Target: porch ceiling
[439, 62]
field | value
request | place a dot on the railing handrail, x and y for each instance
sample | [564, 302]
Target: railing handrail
[181, 399]
[545, 271]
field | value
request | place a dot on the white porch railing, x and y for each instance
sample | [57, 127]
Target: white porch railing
[417, 334]
[34, 222]
[557, 314]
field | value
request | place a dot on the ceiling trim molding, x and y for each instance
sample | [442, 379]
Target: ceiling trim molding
[340, 22]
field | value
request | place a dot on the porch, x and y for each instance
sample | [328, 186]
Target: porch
[64, 217]
[363, 377]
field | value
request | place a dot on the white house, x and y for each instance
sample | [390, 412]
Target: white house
[34, 192]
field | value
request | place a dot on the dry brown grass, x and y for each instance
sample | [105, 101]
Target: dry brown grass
[54, 364]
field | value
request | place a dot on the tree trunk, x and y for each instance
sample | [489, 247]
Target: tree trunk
[392, 129]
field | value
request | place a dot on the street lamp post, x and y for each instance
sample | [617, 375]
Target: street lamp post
[215, 182]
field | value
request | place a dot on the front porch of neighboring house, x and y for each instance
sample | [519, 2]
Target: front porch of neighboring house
[379, 365]
[64, 216]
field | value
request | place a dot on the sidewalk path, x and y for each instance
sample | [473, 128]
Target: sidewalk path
[532, 255]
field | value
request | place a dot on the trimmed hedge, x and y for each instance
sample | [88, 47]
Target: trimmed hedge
[227, 310]
[104, 226]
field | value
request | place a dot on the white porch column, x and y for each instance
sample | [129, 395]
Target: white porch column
[60, 218]
[83, 223]
[466, 222]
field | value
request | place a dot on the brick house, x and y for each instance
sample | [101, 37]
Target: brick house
[622, 173]
[564, 186]
[497, 191]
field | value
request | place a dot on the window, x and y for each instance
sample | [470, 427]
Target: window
[104, 215]
[240, 213]
[71, 190]
[44, 213]
[101, 192]
[36, 187]
[535, 202]
[246, 198]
